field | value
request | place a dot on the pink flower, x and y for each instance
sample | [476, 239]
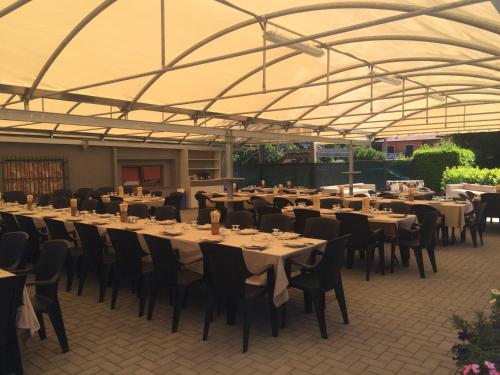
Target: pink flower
[472, 367]
[491, 367]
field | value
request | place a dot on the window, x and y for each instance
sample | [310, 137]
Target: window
[409, 150]
[143, 175]
[390, 149]
[34, 176]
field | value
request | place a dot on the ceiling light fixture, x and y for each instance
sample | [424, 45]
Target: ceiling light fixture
[390, 79]
[273, 36]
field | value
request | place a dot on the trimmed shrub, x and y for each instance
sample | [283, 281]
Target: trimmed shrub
[471, 175]
[367, 153]
[431, 161]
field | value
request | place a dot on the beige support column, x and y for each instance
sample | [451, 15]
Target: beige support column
[183, 174]
[351, 170]
[114, 167]
[229, 165]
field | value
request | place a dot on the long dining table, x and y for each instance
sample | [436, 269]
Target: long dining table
[186, 238]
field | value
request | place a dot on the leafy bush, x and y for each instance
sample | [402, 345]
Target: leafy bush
[367, 153]
[479, 350]
[472, 175]
[431, 161]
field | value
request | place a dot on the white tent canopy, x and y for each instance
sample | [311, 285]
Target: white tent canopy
[197, 71]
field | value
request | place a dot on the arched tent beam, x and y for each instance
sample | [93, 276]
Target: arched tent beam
[55, 54]
[410, 11]
[444, 73]
[12, 7]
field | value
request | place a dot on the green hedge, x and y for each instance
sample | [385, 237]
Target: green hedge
[431, 161]
[472, 175]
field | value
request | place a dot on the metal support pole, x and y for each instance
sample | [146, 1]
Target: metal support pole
[229, 164]
[446, 112]
[426, 106]
[327, 74]
[403, 99]
[351, 170]
[264, 54]
[115, 166]
[162, 32]
[371, 88]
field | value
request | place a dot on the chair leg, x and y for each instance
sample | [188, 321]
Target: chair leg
[83, 277]
[56, 318]
[208, 316]
[381, 255]
[368, 261]
[473, 234]
[308, 308]
[41, 332]
[283, 316]
[153, 295]
[393, 255]
[319, 308]
[116, 286]
[432, 258]
[350, 258]
[420, 261]
[481, 237]
[405, 255]
[102, 274]
[70, 272]
[247, 320]
[273, 312]
[142, 291]
[231, 310]
[339, 293]
[179, 299]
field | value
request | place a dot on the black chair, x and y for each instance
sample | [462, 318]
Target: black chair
[493, 205]
[11, 291]
[281, 202]
[226, 273]
[9, 222]
[330, 202]
[43, 200]
[396, 207]
[316, 279]
[201, 199]
[104, 190]
[129, 265]
[129, 189]
[85, 193]
[112, 207]
[464, 197]
[322, 228]
[356, 205]
[139, 209]
[387, 195]
[260, 211]
[168, 273]
[156, 193]
[270, 221]
[204, 215]
[115, 198]
[57, 231]
[424, 197]
[14, 196]
[476, 222]
[89, 205]
[63, 193]
[306, 201]
[362, 239]
[421, 238]
[46, 301]
[361, 195]
[470, 195]
[59, 201]
[421, 210]
[94, 255]
[242, 218]
[175, 199]
[12, 249]
[258, 202]
[301, 215]
[36, 236]
[165, 213]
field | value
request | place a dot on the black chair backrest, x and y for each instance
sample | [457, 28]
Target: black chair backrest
[104, 190]
[470, 195]
[11, 290]
[219, 205]
[225, 270]
[464, 197]
[331, 262]
[421, 210]
[89, 204]
[174, 199]
[396, 207]
[356, 205]
[266, 210]
[270, 221]
[112, 207]
[10, 222]
[165, 260]
[301, 215]
[424, 197]
[361, 195]
[428, 228]
[92, 243]
[57, 229]
[43, 200]
[201, 198]
[85, 193]
[281, 202]
[329, 202]
[115, 198]
[493, 201]
[28, 225]
[157, 193]
[12, 249]
[204, 215]
[59, 201]
[140, 210]
[258, 202]
[165, 213]
[481, 216]
[306, 201]
[128, 251]
[242, 218]
[63, 193]
[357, 226]
[388, 195]
[322, 228]
[15, 196]
[50, 264]
[129, 189]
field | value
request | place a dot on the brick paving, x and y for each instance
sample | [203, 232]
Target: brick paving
[399, 324]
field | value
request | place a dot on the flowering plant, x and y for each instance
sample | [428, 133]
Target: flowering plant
[479, 350]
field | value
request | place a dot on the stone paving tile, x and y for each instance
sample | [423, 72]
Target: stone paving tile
[399, 324]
